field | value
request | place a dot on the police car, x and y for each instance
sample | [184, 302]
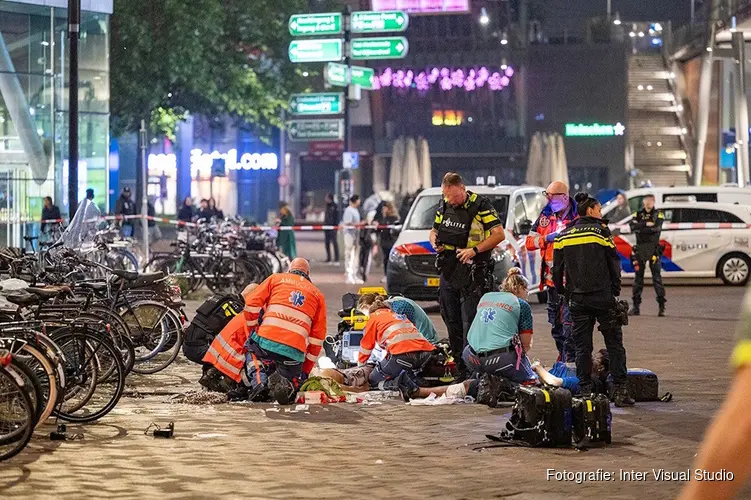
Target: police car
[412, 271]
[701, 240]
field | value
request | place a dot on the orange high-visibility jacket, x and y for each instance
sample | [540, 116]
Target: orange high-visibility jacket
[227, 351]
[548, 223]
[294, 314]
[392, 332]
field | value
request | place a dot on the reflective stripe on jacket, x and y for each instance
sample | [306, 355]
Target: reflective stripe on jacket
[547, 223]
[227, 351]
[394, 333]
[294, 315]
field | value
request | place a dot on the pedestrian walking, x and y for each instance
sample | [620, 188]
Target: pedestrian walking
[286, 237]
[387, 237]
[331, 218]
[124, 206]
[350, 221]
[50, 211]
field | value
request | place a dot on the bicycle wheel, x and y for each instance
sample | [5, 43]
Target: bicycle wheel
[144, 319]
[118, 332]
[229, 275]
[16, 415]
[45, 371]
[32, 386]
[169, 346]
[85, 400]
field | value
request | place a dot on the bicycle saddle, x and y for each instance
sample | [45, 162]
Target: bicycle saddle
[22, 299]
[48, 292]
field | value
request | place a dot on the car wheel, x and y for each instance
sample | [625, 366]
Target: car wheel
[542, 297]
[735, 269]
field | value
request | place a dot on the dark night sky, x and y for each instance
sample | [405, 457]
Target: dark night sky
[570, 13]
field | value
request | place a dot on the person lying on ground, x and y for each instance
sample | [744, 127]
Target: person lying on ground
[564, 375]
[501, 333]
[410, 309]
[270, 359]
[407, 351]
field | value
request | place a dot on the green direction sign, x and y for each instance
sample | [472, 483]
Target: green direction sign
[315, 130]
[322, 50]
[317, 104]
[379, 22]
[395, 47]
[336, 74]
[315, 24]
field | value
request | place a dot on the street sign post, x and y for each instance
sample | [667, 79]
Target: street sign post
[315, 130]
[395, 47]
[317, 104]
[336, 74]
[316, 24]
[379, 22]
[320, 50]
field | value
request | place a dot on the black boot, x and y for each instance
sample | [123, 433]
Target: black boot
[661, 302]
[487, 390]
[635, 309]
[622, 397]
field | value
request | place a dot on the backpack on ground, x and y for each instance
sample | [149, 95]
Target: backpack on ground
[542, 416]
[210, 318]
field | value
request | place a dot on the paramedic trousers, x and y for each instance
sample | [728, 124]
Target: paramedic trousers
[586, 309]
[559, 318]
[656, 268]
[458, 310]
[503, 364]
[259, 362]
[392, 366]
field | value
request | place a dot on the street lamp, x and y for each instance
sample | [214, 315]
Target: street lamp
[504, 38]
[484, 19]
[617, 20]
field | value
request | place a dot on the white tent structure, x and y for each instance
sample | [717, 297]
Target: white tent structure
[410, 168]
[379, 174]
[426, 167]
[534, 161]
[397, 163]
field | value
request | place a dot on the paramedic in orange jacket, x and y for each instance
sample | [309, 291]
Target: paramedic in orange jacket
[406, 349]
[289, 339]
[557, 214]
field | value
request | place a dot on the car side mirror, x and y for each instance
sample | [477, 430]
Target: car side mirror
[524, 227]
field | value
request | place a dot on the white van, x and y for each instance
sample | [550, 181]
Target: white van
[731, 195]
[412, 271]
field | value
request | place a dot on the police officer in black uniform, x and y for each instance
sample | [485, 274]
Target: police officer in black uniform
[647, 226]
[587, 272]
[465, 230]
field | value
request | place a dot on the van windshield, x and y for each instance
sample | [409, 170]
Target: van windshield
[423, 213]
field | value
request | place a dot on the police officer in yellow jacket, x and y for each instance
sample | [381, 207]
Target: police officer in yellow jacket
[647, 226]
[465, 230]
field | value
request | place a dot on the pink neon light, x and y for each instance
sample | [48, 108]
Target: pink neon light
[421, 6]
[446, 79]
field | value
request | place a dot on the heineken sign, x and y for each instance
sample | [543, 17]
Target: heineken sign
[336, 74]
[594, 130]
[301, 51]
[379, 48]
[379, 22]
[315, 24]
[317, 104]
[315, 130]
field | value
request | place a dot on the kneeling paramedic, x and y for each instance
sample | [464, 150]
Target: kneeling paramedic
[407, 351]
[465, 230]
[275, 355]
[585, 257]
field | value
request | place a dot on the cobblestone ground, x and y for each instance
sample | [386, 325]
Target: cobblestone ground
[390, 450]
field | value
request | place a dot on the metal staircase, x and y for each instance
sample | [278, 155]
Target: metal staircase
[655, 134]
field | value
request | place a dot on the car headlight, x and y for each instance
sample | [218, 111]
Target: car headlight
[397, 258]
